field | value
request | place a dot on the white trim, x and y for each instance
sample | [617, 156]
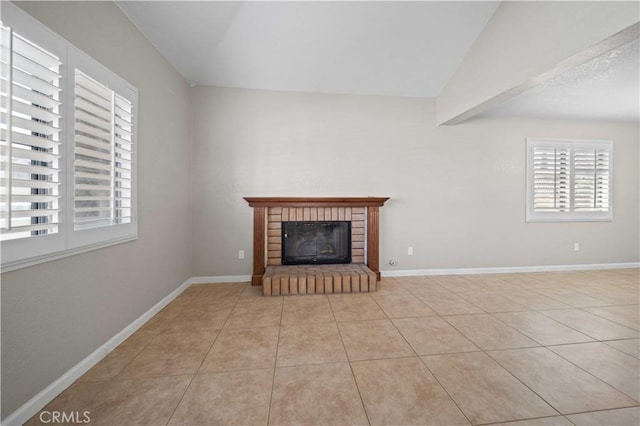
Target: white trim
[220, 279]
[19, 264]
[507, 269]
[38, 402]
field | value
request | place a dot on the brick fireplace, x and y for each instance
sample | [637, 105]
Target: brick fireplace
[360, 275]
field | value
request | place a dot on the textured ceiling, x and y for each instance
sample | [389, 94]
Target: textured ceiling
[371, 48]
[607, 87]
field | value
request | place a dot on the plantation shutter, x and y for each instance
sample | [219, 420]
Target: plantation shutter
[123, 144]
[591, 180]
[551, 179]
[29, 138]
[569, 180]
[93, 164]
[103, 155]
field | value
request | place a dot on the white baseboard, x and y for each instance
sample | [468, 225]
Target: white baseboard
[220, 279]
[38, 402]
[507, 269]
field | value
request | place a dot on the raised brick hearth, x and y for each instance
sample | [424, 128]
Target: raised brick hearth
[321, 279]
[360, 275]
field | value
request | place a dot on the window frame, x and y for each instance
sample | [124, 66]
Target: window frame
[25, 252]
[571, 215]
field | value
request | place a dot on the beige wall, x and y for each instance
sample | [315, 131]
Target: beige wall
[57, 313]
[457, 193]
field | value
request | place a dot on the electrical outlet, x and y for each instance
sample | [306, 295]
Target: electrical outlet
[576, 246]
[240, 254]
[410, 251]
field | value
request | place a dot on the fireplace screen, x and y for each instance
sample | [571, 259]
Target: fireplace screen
[310, 243]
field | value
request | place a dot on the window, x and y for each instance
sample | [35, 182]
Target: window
[569, 180]
[67, 147]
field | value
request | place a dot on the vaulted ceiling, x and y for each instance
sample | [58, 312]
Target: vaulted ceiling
[368, 48]
[365, 48]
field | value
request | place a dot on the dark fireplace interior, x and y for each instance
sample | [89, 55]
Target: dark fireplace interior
[313, 243]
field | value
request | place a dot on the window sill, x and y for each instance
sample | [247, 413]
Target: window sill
[567, 219]
[25, 263]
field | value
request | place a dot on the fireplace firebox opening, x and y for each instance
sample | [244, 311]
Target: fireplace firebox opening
[313, 243]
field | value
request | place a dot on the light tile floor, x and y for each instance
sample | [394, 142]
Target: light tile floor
[523, 349]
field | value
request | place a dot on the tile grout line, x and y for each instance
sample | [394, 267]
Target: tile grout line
[604, 409]
[488, 353]
[353, 375]
[570, 306]
[608, 319]
[485, 353]
[422, 361]
[275, 364]
[420, 357]
[605, 304]
[524, 420]
[590, 373]
[201, 362]
[521, 381]
[424, 364]
[583, 332]
[524, 333]
[479, 350]
[606, 342]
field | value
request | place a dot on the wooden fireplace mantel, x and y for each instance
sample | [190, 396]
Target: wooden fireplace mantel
[260, 204]
[316, 201]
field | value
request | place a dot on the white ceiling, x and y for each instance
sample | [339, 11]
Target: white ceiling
[369, 48]
[391, 48]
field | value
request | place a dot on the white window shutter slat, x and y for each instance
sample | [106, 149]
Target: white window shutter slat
[93, 172]
[31, 110]
[34, 82]
[23, 151]
[28, 95]
[35, 53]
[29, 139]
[98, 124]
[123, 159]
[31, 66]
[551, 168]
[103, 156]
[591, 186]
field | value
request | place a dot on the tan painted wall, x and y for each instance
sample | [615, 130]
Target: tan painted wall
[457, 193]
[57, 313]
